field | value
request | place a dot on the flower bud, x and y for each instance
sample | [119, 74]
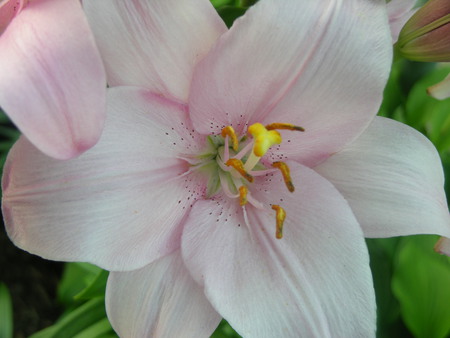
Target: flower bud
[426, 36]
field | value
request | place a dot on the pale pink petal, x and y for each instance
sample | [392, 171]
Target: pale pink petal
[159, 300]
[399, 11]
[155, 43]
[443, 246]
[440, 91]
[8, 10]
[118, 205]
[300, 62]
[52, 82]
[314, 282]
[393, 179]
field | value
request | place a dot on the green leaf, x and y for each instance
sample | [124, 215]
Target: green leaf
[382, 252]
[421, 283]
[6, 313]
[96, 330]
[411, 72]
[230, 13]
[393, 96]
[96, 288]
[76, 321]
[219, 3]
[420, 107]
[76, 277]
[224, 330]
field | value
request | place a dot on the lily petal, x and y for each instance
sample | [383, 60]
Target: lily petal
[8, 10]
[314, 282]
[299, 62]
[160, 41]
[393, 179]
[53, 83]
[441, 90]
[399, 11]
[443, 246]
[159, 300]
[113, 206]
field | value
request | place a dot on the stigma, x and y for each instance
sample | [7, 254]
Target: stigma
[239, 163]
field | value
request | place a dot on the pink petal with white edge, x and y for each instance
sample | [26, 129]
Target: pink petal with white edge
[443, 246]
[53, 83]
[159, 300]
[299, 62]
[118, 205]
[154, 44]
[392, 178]
[440, 91]
[314, 282]
[399, 11]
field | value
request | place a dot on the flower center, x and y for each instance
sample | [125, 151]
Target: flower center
[233, 162]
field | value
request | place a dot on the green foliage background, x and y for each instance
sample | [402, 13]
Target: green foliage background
[412, 282]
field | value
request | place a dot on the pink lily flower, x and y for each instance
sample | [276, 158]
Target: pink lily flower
[204, 195]
[52, 82]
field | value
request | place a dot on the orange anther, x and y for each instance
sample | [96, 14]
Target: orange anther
[280, 217]
[239, 166]
[286, 172]
[243, 191]
[229, 131]
[285, 126]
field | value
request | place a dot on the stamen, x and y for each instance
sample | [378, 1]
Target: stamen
[243, 191]
[226, 150]
[285, 126]
[256, 173]
[229, 131]
[286, 172]
[239, 166]
[244, 151]
[281, 216]
[264, 138]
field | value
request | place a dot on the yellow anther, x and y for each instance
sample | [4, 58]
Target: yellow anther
[286, 172]
[264, 138]
[229, 131]
[243, 191]
[281, 216]
[239, 166]
[285, 126]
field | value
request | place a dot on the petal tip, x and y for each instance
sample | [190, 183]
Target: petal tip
[443, 246]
